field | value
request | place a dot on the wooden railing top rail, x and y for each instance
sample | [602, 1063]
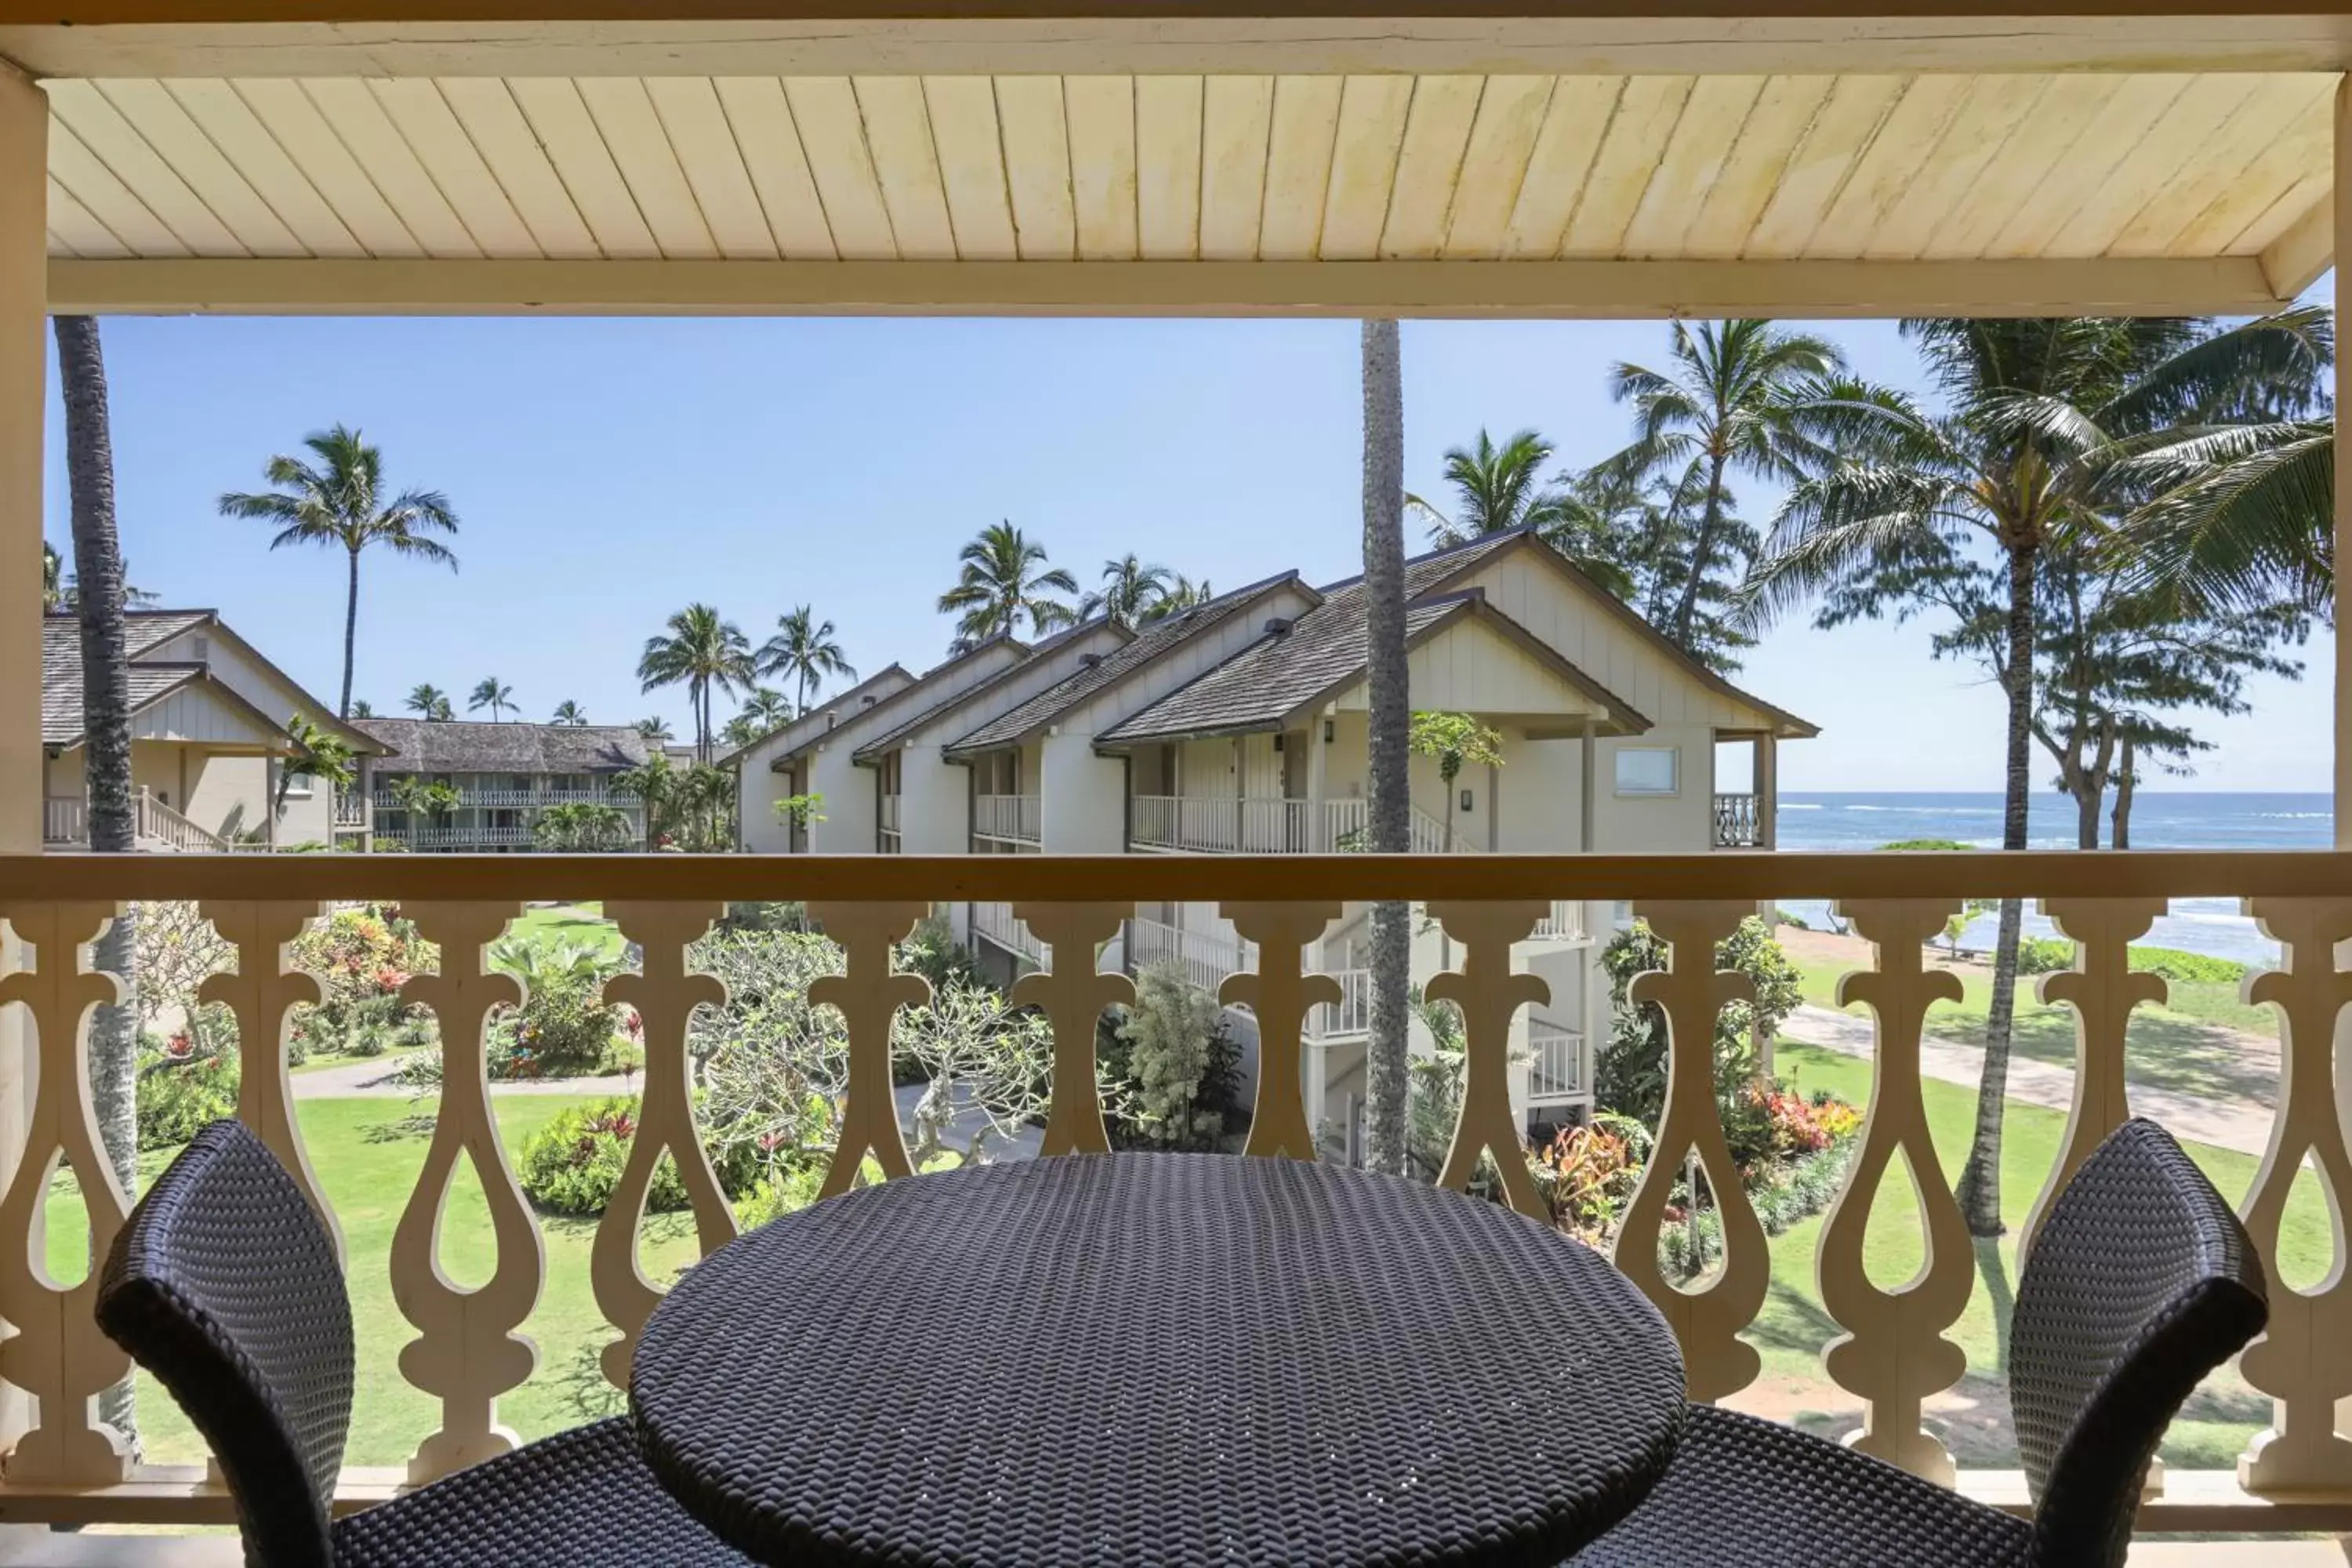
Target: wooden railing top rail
[1053, 879]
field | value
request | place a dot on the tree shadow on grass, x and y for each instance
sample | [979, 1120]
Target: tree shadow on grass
[399, 1130]
[2163, 1051]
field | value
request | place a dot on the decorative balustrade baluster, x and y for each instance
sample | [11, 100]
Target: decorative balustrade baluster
[2103, 991]
[467, 1351]
[1892, 1352]
[868, 995]
[1280, 993]
[1489, 996]
[2303, 1361]
[262, 994]
[1692, 992]
[56, 1353]
[664, 995]
[1073, 995]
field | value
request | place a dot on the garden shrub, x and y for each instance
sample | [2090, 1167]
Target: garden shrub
[572, 1164]
[2187, 968]
[181, 1090]
[1178, 1076]
[564, 1027]
[2043, 955]
[1630, 1074]
[362, 957]
[931, 951]
[1585, 1174]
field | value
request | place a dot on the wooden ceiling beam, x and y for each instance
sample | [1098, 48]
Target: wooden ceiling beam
[1499, 289]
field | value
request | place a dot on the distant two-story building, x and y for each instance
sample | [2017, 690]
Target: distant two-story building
[1241, 725]
[504, 777]
[209, 742]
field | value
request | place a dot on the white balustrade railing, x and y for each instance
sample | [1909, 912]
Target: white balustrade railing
[998, 924]
[1738, 822]
[1203, 958]
[65, 819]
[159, 823]
[1565, 924]
[1267, 824]
[1008, 818]
[1558, 1069]
[1350, 1017]
[442, 836]
[352, 810]
[1896, 1350]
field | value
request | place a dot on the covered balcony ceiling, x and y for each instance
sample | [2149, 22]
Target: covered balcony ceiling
[368, 165]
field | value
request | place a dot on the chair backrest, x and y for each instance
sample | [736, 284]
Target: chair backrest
[2140, 1282]
[224, 1284]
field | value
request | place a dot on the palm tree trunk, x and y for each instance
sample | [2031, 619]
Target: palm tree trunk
[1686, 610]
[1980, 1187]
[106, 756]
[352, 634]
[1389, 823]
[2124, 783]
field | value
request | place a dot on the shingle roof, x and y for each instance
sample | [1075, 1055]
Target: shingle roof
[1274, 677]
[890, 739]
[807, 725]
[61, 682]
[460, 746]
[908, 698]
[1010, 727]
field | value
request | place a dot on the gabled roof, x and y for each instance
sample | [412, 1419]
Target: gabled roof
[898, 734]
[909, 698]
[153, 680]
[466, 746]
[812, 723]
[1154, 640]
[1278, 674]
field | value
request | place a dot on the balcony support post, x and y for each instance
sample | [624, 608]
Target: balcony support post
[23, 371]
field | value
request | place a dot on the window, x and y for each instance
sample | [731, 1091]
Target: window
[298, 785]
[1648, 770]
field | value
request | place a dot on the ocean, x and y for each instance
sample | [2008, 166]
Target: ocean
[2180, 820]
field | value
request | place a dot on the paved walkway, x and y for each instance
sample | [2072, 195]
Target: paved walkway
[2240, 1124]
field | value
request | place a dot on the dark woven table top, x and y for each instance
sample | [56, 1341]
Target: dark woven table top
[1157, 1359]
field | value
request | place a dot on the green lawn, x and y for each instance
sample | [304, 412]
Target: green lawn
[369, 1157]
[2189, 1043]
[583, 923]
[1792, 1327]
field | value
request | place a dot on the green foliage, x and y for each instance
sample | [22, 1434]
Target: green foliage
[322, 754]
[1913, 844]
[2187, 968]
[1454, 740]
[1001, 578]
[1787, 918]
[1181, 1074]
[1629, 1077]
[428, 798]
[931, 951]
[362, 957]
[800, 810]
[2043, 955]
[583, 826]
[564, 1027]
[572, 1164]
[748, 917]
[181, 1090]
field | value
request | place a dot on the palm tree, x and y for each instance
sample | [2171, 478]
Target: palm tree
[569, 712]
[655, 730]
[430, 703]
[339, 500]
[766, 710]
[1130, 591]
[113, 1061]
[1730, 402]
[317, 753]
[1181, 594]
[701, 652]
[1500, 489]
[654, 784]
[804, 653]
[1389, 814]
[2238, 518]
[1003, 577]
[1962, 510]
[488, 693]
[362, 709]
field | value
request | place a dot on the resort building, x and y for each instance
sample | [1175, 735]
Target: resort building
[775, 809]
[1241, 726]
[209, 741]
[502, 777]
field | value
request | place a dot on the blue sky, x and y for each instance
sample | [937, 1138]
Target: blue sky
[608, 472]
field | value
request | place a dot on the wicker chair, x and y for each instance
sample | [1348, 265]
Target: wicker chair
[224, 1285]
[2141, 1282]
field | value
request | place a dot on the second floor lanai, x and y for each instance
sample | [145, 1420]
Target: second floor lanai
[497, 780]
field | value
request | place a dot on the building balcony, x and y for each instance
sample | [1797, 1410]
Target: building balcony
[1739, 822]
[1268, 825]
[471, 1383]
[507, 836]
[1008, 820]
[158, 829]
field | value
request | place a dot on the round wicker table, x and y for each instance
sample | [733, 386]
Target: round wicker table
[1157, 1359]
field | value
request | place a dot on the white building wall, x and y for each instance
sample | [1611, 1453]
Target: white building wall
[1082, 796]
[1538, 799]
[765, 833]
[848, 827]
[1680, 823]
[934, 803]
